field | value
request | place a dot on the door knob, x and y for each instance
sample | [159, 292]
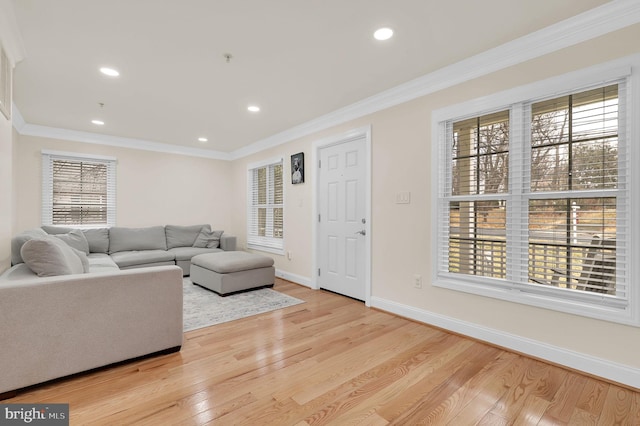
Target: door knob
[363, 232]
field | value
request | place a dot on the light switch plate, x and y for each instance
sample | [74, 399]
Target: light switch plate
[403, 198]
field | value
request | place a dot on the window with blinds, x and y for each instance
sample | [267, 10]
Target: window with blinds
[265, 219]
[534, 197]
[573, 232]
[477, 208]
[78, 191]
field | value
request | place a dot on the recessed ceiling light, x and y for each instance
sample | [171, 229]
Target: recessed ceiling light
[109, 71]
[253, 108]
[383, 34]
[98, 122]
[202, 139]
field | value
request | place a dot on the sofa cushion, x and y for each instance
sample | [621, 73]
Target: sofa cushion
[186, 253]
[83, 258]
[128, 239]
[20, 239]
[98, 238]
[101, 262]
[75, 239]
[49, 256]
[226, 262]
[55, 229]
[208, 239]
[132, 258]
[17, 273]
[183, 236]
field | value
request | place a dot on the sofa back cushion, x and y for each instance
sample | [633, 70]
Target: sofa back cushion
[75, 239]
[125, 239]
[49, 256]
[18, 241]
[183, 236]
[98, 238]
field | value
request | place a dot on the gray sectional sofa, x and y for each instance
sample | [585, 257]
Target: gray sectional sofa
[75, 300]
[150, 246]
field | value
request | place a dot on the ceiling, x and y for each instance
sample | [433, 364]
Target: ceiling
[296, 59]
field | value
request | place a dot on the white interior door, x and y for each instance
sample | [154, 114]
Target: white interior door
[342, 226]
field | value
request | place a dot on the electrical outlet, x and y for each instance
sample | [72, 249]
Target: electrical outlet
[417, 281]
[289, 255]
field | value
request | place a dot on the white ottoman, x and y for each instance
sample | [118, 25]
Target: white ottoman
[230, 272]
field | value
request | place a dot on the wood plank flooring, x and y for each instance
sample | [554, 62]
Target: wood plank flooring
[332, 361]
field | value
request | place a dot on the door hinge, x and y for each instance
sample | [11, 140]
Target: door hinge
[319, 163]
[318, 218]
[318, 271]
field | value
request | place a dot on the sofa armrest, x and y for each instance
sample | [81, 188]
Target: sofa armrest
[57, 326]
[228, 242]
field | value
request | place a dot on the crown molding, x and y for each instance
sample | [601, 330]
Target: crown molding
[17, 120]
[10, 36]
[99, 139]
[593, 23]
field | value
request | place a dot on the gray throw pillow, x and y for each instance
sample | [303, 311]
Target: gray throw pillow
[75, 239]
[208, 239]
[50, 256]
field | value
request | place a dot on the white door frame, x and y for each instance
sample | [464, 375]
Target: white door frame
[315, 155]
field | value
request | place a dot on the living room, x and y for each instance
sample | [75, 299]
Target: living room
[156, 186]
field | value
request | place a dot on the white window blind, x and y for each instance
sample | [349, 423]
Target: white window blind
[575, 227]
[78, 190]
[534, 197]
[265, 216]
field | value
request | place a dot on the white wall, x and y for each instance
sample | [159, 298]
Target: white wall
[152, 188]
[401, 234]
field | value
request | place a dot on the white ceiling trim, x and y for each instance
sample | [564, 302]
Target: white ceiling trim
[599, 21]
[17, 120]
[99, 139]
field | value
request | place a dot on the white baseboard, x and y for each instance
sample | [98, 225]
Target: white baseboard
[608, 370]
[305, 281]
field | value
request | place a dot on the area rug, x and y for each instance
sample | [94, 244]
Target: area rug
[203, 308]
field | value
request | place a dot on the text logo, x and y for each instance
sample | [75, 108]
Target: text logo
[34, 414]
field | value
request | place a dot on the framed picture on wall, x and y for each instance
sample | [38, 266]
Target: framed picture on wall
[297, 168]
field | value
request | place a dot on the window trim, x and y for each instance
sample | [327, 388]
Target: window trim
[48, 156]
[275, 245]
[549, 298]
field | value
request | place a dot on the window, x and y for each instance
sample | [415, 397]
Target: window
[265, 219]
[78, 190]
[533, 198]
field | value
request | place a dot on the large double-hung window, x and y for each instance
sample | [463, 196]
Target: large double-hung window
[78, 190]
[533, 199]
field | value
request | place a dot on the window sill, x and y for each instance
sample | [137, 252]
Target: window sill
[586, 305]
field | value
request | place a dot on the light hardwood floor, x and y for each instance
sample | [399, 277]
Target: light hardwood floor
[333, 361]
